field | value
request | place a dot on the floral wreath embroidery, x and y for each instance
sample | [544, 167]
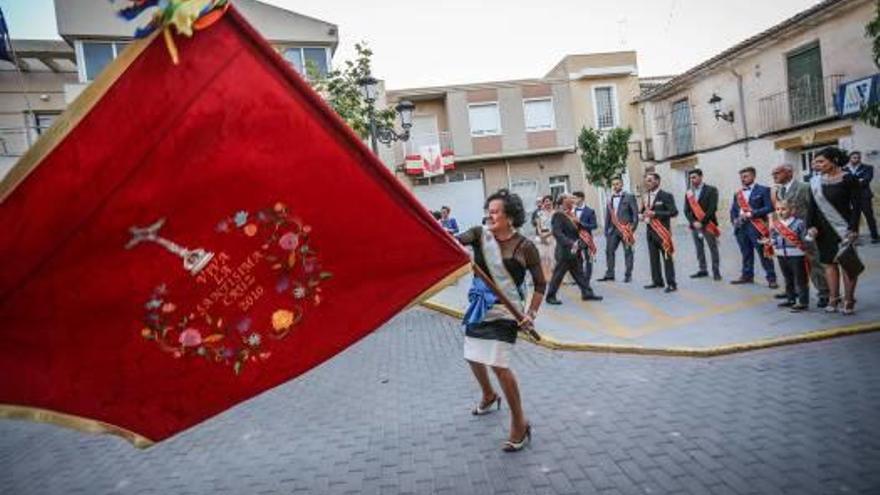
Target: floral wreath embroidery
[203, 333]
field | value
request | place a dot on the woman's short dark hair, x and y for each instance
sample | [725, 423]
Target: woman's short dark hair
[545, 198]
[834, 155]
[513, 206]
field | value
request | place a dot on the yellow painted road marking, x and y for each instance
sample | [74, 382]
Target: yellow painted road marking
[655, 311]
[683, 320]
[612, 325]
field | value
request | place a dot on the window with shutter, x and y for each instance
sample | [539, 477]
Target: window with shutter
[682, 131]
[806, 92]
[605, 111]
[539, 114]
[484, 119]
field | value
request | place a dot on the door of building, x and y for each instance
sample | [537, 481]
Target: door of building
[806, 156]
[463, 192]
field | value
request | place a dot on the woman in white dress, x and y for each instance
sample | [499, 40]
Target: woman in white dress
[490, 328]
[545, 241]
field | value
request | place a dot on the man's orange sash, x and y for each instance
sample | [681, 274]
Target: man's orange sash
[700, 214]
[792, 237]
[759, 224]
[661, 230]
[625, 229]
[583, 234]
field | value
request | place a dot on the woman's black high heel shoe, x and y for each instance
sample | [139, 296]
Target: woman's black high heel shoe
[517, 446]
[487, 408]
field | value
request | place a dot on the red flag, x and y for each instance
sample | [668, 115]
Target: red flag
[195, 235]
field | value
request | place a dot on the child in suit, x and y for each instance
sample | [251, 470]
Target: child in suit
[787, 235]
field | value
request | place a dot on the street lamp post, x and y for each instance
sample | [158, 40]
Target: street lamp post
[379, 133]
[715, 101]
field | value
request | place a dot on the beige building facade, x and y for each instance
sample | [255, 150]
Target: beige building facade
[52, 73]
[781, 87]
[32, 94]
[520, 134]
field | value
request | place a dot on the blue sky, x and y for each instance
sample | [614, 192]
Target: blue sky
[419, 43]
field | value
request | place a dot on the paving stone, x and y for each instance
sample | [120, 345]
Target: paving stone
[800, 419]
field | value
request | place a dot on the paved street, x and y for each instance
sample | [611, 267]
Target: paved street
[391, 415]
[702, 315]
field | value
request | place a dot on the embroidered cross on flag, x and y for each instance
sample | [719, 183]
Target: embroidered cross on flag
[175, 245]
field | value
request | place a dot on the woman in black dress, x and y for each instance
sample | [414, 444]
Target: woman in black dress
[841, 192]
[490, 329]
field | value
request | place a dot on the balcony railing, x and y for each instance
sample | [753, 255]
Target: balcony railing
[808, 100]
[417, 143]
[428, 154]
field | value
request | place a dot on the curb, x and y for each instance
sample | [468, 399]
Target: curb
[553, 344]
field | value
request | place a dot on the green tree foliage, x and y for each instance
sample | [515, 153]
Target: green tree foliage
[341, 90]
[604, 154]
[871, 113]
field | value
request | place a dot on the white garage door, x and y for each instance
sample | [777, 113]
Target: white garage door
[461, 191]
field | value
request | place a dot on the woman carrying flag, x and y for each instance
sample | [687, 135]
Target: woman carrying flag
[491, 327]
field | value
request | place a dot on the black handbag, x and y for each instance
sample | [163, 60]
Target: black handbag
[849, 261]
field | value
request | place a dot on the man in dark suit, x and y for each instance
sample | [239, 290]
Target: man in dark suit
[587, 218]
[700, 208]
[657, 210]
[568, 243]
[749, 214]
[865, 174]
[623, 209]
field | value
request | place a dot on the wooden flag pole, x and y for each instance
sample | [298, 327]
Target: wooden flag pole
[530, 330]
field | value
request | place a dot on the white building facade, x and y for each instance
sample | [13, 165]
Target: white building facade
[778, 92]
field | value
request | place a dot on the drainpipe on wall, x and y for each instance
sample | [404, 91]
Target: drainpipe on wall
[742, 109]
[509, 182]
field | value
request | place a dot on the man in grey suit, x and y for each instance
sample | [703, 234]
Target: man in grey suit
[621, 220]
[799, 196]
